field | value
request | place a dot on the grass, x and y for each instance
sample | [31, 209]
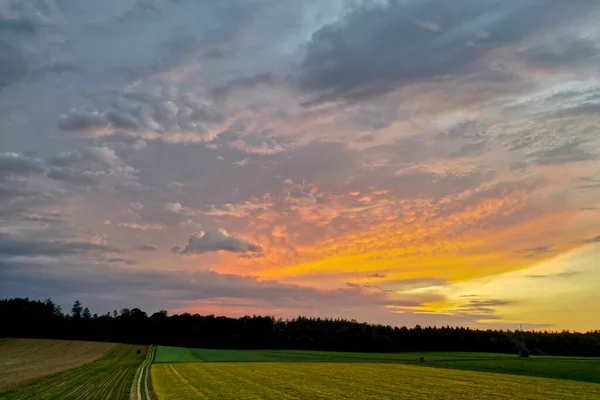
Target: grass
[175, 354]
[25, 360]
[571, 368]
[110, 377]
[285, 380]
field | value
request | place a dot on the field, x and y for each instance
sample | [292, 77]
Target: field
[56, 370]
[285, 380]
[26, 360]
[111, 377]
[571, 368]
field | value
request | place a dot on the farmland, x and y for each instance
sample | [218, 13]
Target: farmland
[26, 360]
[56, 370]
[285, 380]
[579, 369]
[110, 377]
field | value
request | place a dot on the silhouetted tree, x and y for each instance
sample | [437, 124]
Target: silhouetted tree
[77, 309]
[32, 318]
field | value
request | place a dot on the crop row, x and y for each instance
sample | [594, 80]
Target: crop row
[343, 381]
[108, 378]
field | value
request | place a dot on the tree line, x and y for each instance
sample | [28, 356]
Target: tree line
[22, 317]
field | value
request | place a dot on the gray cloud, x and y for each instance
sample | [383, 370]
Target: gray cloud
[593, 240]
[117, 260]
[149, 112]
[375, 48]
[15, 164]
[12, 246]
[216, 240]
[79, 120]
[536, 252]
[13, 62]
[566, 274]
[483, 307]
[85, 166]
[563, 52]
[569, 152]
[88, 166]
[147, 247]
[172, 289]
[302, 197]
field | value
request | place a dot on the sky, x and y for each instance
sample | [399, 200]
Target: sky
[401, 162]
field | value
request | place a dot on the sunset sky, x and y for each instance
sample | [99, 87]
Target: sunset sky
[404, 162]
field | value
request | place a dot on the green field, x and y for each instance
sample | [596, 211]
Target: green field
[110, 377]
[571, 368]
[285, 380]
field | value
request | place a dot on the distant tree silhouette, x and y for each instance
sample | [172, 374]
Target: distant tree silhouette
[77, 309]
[22, 317]
[86, 313]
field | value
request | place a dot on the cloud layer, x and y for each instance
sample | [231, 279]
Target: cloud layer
[394, 160]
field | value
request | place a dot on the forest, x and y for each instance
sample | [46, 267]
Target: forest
[25, 318]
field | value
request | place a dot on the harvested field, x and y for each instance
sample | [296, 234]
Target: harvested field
[352, 381]
[23, 361]
[110, 378]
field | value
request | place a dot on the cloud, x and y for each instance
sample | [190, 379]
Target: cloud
[15, 164]
[14, 246]
[63, 281]
[482, 307]
[147, 111]
[177, 208]
[136, 206]
[561, 52]
[142, 227]
[14, 62]
[90, 166]
[379, 46]
[79, 120]
[121, 261]
[569, 152]
[302, 197]
[593, 240]
[536, 252]
[147, 247]
[566, 274]
[90, 157]
[217, 240]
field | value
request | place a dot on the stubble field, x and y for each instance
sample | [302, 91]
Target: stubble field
[26, 360]
[111, 377]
